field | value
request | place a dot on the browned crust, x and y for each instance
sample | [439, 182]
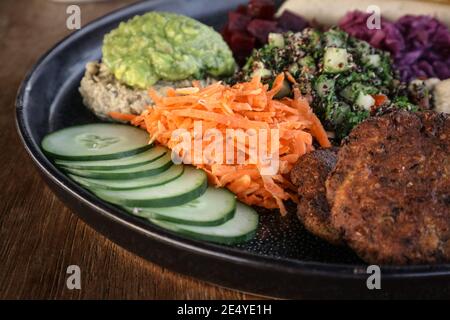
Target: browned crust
[390, 190]
[309, 175]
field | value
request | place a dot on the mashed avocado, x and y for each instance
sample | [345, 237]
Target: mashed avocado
[165, 46]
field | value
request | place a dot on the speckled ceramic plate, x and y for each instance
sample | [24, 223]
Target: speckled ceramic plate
[282, 261]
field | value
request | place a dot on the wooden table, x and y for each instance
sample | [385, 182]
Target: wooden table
[39, 236]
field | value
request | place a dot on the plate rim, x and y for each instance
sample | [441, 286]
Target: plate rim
[233, 255]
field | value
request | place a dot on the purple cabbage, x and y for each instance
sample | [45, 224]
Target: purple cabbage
[387, 38]
[420, 45]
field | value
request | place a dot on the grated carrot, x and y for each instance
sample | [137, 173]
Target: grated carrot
[248, 105]
[121, 116]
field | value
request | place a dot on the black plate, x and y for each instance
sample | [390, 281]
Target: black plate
[283, 261]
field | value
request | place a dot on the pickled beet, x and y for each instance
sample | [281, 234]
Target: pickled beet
[249, 25]
[242, 44]
[260, 29]
[237, 21]
[242, 9]
[289, 21]
[262, 9]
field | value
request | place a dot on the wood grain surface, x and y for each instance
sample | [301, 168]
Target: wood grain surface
[39, 236]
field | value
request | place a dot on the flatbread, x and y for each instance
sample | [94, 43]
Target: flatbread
[331, 11]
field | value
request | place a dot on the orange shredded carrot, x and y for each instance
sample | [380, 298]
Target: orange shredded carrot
[187, 91]
[241, 184]
[171, 92]
[121, 116]
[277, 85]
[290, 77]
[244, 106]
[317, 129]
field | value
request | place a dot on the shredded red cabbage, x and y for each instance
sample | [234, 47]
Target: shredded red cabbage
[420, 45]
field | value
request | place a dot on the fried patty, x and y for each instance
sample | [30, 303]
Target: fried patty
[309, 175]
[390, 191]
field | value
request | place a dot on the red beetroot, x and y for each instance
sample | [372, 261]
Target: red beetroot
[237, 21]
[289, 21]
[226, 34]
[249, 25]
[242, 9]
[260, 29]
[262, 9]
[242, 44]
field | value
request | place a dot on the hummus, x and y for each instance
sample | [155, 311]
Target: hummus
[103, 93]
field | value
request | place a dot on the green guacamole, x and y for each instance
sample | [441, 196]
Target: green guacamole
[165, 46]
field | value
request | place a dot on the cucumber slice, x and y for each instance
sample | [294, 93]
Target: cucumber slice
[122, 163]
[364, 101]
[190, 185]
[99, 141]
[214, 207]
[276, 40]
[335, 38]
[146, 170]
[324, 86]
[373, 60]
[166, 176]
[240, 228]
[335, 60]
